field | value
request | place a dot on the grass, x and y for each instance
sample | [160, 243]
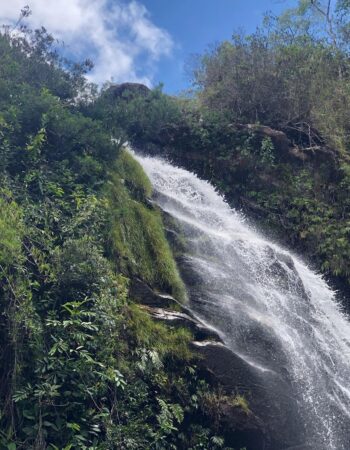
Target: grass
[241, 402]
[129, 170]
[167, 341]
[137, 237]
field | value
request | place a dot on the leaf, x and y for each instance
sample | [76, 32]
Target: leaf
[50, 424]
[73, 426]
[28, 414]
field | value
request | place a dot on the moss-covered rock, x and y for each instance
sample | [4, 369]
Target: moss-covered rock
[137, 237]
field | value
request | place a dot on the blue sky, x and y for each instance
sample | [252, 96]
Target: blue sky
[195, 24]
[147, 41]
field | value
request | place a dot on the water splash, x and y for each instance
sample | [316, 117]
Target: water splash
[270, 308]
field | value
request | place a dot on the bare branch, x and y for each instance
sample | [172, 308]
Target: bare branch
[25, 12]
[326, 12]
[329, 20]
[317, 7]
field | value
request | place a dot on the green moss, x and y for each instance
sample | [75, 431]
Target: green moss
[137, 238]
[213, 404]
[133, 174]
[241, 402]
[165, 340]
[11, 232]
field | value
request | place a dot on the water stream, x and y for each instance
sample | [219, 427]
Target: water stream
[273, 311]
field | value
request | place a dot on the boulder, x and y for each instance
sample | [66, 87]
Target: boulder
[279, 138]
[128, 90]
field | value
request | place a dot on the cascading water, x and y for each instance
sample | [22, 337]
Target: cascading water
[270, 309]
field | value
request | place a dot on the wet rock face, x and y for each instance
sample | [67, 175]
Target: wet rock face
[262, 377]
[145, 295]
[181, 319]
[273, 422]
[241, 429]
[166, 308]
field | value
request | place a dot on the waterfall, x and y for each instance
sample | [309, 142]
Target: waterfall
[269, 307]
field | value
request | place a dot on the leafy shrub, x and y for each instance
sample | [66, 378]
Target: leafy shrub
[80, 269]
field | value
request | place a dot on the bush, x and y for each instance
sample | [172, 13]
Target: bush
[80, 269]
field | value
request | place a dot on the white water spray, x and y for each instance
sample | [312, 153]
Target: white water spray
[271, 309]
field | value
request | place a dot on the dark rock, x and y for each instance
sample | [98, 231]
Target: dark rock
[279, 138]
[300, 447]
[298, 153]
[188, 274]
[199, 330]
[157, 305]
[129, 90]
[270, 399]
[172, 237]
[242, 429]
[285, 145]
[145, 295]
[254, 208]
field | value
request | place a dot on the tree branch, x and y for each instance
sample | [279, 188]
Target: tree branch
[327, 14]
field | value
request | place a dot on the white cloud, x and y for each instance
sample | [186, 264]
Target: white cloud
[118, 36]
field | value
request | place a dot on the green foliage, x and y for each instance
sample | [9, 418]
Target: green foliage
[242, 403]
[267, 151]
[11, 232]
[132, 174]
[137, 236]
[79, 268]
[169, 416]
[132, 116]
[165, 342]
[81, 367]
[288, 74]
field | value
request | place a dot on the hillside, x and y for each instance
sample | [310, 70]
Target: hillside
[268, 127]
[83, 365]
[99, 347]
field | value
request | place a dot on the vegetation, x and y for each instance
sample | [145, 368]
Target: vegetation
[292, 75]
[137, 235]
[81, 366]
[268, 125]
